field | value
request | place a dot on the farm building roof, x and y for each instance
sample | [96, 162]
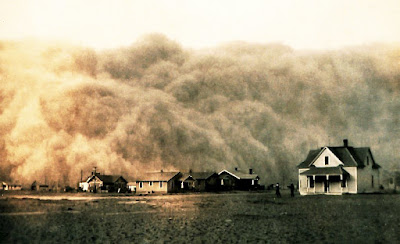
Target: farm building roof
[197, 175]
[202, 175]
[157, 176]
[349, 156]
[185, 176]
[241, 175]
[36, 183]
[110, 178]
[107, 178]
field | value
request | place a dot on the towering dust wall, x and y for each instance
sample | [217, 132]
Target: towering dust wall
[155, 105]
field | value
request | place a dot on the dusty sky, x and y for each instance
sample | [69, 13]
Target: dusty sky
[308, 24]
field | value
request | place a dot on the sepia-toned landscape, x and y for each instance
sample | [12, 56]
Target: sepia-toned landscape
[189, 121]
[240, 217]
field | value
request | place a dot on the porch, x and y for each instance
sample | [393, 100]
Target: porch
[329, 180]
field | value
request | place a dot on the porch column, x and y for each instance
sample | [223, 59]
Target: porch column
[341, 183]
[313, 177]
[327, 182]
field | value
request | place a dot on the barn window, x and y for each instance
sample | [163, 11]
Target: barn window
[160, 184]
[326, 160]
[140, 184]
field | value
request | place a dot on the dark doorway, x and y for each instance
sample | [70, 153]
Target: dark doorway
[326, 186]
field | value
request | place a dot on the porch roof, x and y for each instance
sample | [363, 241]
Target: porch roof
[325, 171]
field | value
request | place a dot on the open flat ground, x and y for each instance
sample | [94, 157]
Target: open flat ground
[240, 217]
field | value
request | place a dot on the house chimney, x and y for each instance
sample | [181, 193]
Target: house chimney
[236, 169]
[251, 171]
[345, 143]
[162, 171]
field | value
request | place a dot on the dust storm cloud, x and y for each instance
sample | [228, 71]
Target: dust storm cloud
[155, 105]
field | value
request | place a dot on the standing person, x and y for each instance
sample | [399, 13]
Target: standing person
[277, 192]
[291, 187]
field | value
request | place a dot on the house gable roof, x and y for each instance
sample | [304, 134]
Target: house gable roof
[107, 179]
[361, 154]
[240, 175]
[349, 156]
[185, 177]
[202, 175]
[157, 176]
[344, 155]
[41, 184]
[197, 175]
[312, 154]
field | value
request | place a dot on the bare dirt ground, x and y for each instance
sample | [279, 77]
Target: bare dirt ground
[240, 217]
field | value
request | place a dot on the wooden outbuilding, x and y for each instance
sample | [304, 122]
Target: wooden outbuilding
[238, 180]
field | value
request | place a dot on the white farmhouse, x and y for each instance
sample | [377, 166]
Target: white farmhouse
[338, 170]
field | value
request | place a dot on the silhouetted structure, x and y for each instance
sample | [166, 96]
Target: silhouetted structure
[238, 180]
[199, 181]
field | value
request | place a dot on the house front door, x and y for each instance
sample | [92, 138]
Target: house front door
[326, 186]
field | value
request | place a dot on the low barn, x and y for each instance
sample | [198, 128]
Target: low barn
[6, 186]
[14, 187]
[39, 186]
[165, 182]
[238, 180]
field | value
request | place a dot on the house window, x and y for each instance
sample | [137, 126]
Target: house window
[140, 184]
[372, 181]
[160, 184]
[311, 181]
[182, 184]
[326, 160]
[222, 182]
[252, 182]
[150, 183]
